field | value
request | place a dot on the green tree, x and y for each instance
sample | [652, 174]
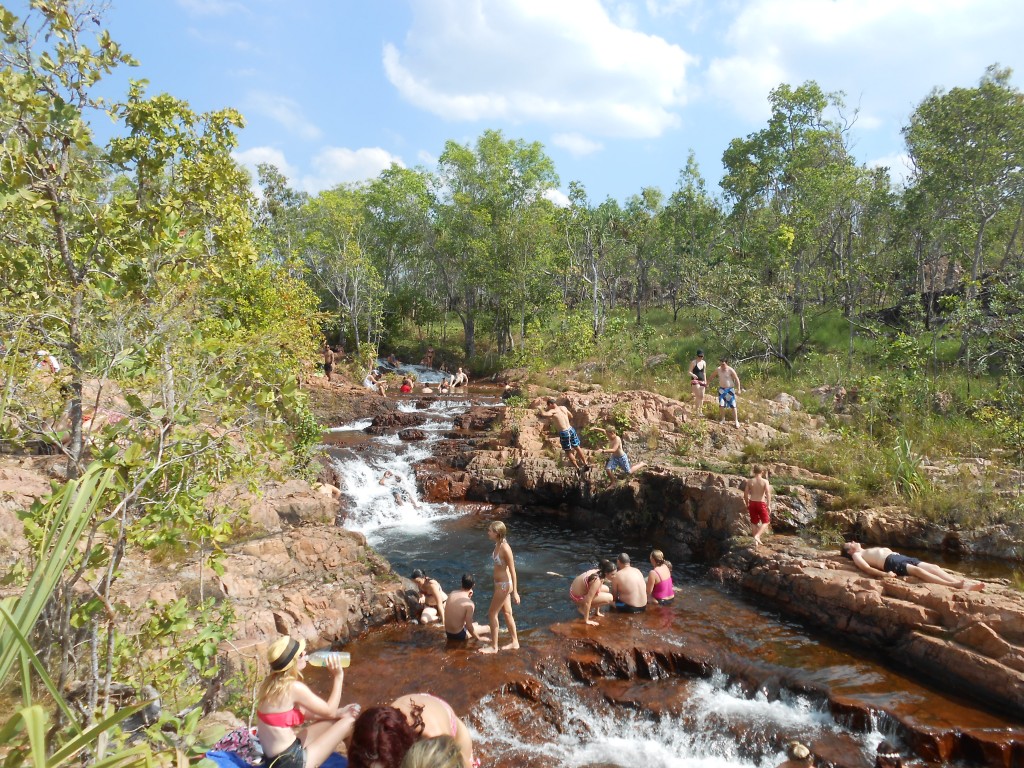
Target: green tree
[966, 146]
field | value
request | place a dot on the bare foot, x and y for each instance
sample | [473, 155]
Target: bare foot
[757, 542]
[513, 646]
[976, 586]
[488, 649]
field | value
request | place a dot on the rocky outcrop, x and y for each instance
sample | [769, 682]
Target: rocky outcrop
[23, 479]
[967, 641]
[392, 421]
[321, 583]
[412, 435]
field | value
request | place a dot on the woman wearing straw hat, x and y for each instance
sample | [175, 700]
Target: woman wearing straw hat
[284, 702]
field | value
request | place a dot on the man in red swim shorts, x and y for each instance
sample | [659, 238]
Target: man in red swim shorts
[757, 494]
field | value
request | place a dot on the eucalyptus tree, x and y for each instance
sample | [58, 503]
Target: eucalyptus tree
[277, 218]
[967, 149]
[789, 182]
[487, 193]
[639, 230]
[338, 266]
[693, 224]
[399, 210]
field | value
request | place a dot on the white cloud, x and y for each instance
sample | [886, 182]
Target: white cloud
[557, 196]
[251, 158]
[576, 143]
[899, 165]
[338, 165]
[565, 63]
[427, 158]
[887, 54]
[284, 111]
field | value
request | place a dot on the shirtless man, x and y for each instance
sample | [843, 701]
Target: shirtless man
[618, 458]
[698, 381]
[461, 379]
[882, 561]
[728, 388]
[458, 614]
[566, 434]
[328, 362]
[757, 495]
[629, 587]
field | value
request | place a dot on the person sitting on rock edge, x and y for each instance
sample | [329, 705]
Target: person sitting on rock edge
[458, 614]
[629, 588]
[588, 590]
[882, 561]
[284, 702]
[432, 598]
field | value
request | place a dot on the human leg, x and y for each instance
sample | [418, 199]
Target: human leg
[492, 618]
[321, 739]
[934, 574]
[510, 622]
[601, 600]
[761, 528]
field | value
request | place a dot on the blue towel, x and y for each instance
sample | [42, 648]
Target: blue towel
[232, 760]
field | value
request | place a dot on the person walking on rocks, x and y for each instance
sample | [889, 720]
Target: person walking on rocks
[882, 561]
[506, 588]
[728, 387]
[566, 434]
[757, 495]
[698, 381]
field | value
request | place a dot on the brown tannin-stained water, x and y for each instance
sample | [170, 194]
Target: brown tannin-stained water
[751, 681]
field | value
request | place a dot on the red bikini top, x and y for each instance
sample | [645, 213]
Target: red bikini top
[289, 719]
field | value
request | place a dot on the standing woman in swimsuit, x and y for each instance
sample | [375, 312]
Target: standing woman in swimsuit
[659, 580]
[382, 735]
[698, 381]
[284, 702]
[506, 588]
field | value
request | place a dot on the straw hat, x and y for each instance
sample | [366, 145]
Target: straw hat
[283, 652]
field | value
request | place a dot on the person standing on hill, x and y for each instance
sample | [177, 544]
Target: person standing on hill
[566, 434]
[328, 361]
[757, 495]
[728, 387]
[698, 381]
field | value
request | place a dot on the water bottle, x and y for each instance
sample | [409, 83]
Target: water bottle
[319, 658]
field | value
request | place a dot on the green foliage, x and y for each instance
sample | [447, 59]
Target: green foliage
[908, 478]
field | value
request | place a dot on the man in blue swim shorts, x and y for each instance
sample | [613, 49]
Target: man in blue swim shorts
[881, 561]
[728, 388]
[618, 458]
[566, 434]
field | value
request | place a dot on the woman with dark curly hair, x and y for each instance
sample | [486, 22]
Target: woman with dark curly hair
[382, 735]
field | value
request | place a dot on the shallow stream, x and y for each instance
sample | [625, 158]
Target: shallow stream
[671, 722]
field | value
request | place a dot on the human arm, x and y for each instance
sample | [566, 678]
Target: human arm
[860, 562]
[439, 597]
[746, 492]
[768, 494]
[736, 378]
[593, 587]
[314, 705]
[652, 579]
[693, 365]
[510, 563]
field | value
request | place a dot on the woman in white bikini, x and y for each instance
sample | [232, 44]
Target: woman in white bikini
[506, 588]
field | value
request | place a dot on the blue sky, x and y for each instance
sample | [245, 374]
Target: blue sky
[618, 91]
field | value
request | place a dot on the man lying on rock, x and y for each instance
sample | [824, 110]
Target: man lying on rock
[882, 561]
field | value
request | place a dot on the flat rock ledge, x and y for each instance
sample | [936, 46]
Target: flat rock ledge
[972, 642]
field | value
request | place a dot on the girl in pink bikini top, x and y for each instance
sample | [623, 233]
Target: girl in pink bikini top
[659, 580]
